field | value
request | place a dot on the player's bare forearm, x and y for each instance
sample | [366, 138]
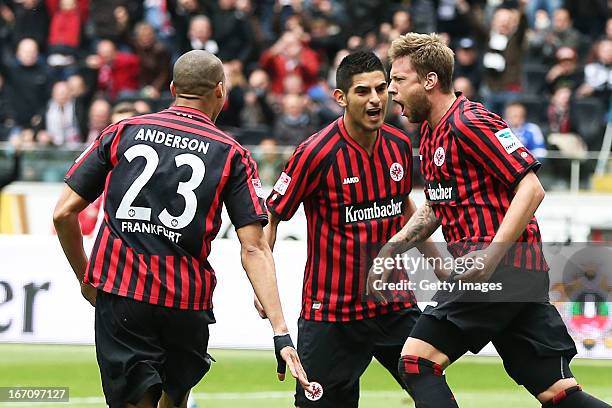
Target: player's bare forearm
[419, 227]
[428, 248]
[528, 196]
[259, 265]
[270, 229]
[66, 222]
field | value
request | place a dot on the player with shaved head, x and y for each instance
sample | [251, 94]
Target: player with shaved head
[165, 177]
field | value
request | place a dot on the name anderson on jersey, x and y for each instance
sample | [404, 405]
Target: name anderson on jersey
[170, 140]
[373, 211]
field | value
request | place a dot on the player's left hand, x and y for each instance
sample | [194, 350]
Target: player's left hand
[480, 266]
[286, 355]
[89, 293]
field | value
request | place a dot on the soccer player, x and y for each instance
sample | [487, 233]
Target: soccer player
[481, 187]
[165, 177]
[353, 177]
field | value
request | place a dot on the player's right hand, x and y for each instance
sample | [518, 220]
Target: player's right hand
[259, 307]
[286, 355]
[89, 293]
[379, 274]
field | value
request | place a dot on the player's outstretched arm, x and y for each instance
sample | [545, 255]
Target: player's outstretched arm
[66, 221]
[259, 265]
[528, 195]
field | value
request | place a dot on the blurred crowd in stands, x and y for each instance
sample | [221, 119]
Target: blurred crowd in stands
[68, 68]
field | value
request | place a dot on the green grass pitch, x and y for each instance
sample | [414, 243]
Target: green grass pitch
[247, 379]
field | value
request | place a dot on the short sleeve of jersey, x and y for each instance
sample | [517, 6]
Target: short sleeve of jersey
[294, 185]
[488, 140]
[243, 195]
[87, 176]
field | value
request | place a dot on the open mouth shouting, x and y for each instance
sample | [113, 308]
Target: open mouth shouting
[375, 114]
[401, 105]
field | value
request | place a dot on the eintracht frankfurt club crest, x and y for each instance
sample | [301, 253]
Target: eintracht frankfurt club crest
[317, 391]
[396, 171]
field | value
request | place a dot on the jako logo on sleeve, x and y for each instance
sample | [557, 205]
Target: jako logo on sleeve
[508, 140]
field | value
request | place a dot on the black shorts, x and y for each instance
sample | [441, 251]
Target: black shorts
[141, 346]
[531, 338]
[335, 354]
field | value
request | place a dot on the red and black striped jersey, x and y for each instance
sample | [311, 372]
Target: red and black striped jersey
[165, 177]
[472, 162]
[354, 203]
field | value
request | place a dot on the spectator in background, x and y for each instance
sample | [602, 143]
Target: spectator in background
[235, 84]
[566, 72]
[467, 61]
[154, 75]
[325, 38]
[295, 123]
[547, 6]
[466, 86]
[608, 33]
[60, 119]
[182, 12]
[589, 16]
[113, 19]
[558, 111]
[270, 162]
[142, 107]
[331, 74]
[257, 109]
[200, 35]
[30, 21]
[117, 71]
[234, 31]
[82, 99]
[64, 37]
[27, 84]
[123, 110]
[6, 115]
[598, 74]
[401, 23]
[502, 60]
[99, 118]
[324, 104]
[528, 133]
[293, 84]
[545, 43]
[288, 55]
[65, 29]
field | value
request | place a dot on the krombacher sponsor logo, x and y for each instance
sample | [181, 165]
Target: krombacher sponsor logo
[441, 191]
[390, 207]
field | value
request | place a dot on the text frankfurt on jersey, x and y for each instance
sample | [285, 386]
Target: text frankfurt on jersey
[390, 207]
[170, 140]
[149, 228]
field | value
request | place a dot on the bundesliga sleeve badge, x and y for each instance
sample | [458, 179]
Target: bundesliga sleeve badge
[508, 140]
[282, 183]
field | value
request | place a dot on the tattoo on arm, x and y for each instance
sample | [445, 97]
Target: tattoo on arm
[421, 225]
